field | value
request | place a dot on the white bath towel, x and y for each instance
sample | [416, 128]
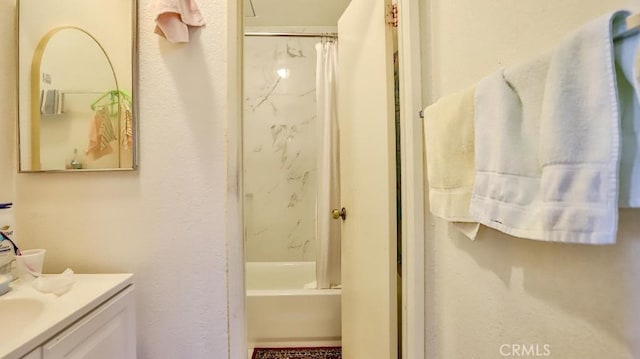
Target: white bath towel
[449, 145]
[548, 142]
[173, 18]
[51, 102]
[629, 92]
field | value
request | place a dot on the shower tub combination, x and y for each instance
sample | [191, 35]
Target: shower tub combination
[281, 312]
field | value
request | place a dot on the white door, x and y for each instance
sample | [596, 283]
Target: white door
[367, 175]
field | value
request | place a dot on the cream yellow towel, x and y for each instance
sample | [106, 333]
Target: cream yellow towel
[449, 144]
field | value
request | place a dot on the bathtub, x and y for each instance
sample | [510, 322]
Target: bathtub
[280, 312]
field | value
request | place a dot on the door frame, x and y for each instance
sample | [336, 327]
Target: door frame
[234, 223]
[413, 205]
[412, 181]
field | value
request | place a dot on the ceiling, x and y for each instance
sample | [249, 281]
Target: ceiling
[293, 12]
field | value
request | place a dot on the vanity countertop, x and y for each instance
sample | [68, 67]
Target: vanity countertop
[40, 316]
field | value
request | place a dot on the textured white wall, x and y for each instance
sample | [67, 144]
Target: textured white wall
[581, 300]
[164, 222]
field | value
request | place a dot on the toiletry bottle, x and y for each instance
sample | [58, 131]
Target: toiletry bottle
[75, 163]
[7, 228]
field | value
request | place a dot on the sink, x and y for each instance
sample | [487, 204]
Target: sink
[28, 318]
[19, 312]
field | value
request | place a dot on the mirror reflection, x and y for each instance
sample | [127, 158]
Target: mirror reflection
[76, 96]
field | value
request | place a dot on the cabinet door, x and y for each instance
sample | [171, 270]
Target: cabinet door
[107, 332]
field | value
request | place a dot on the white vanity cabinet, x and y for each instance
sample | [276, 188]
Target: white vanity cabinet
[107, 332]
[35, 354]
[94, 320]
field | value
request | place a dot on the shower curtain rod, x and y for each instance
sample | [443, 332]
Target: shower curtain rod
[332, 35]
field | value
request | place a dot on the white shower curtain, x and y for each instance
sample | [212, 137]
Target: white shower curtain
[328, 193]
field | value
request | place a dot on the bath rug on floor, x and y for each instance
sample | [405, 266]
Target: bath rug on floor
[297, 353]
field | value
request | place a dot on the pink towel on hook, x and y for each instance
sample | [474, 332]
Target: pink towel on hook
[173, 18]
[101, 133]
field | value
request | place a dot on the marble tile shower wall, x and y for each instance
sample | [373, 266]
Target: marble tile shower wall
[280, 148]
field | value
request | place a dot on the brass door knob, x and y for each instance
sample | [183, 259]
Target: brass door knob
[337, 213]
